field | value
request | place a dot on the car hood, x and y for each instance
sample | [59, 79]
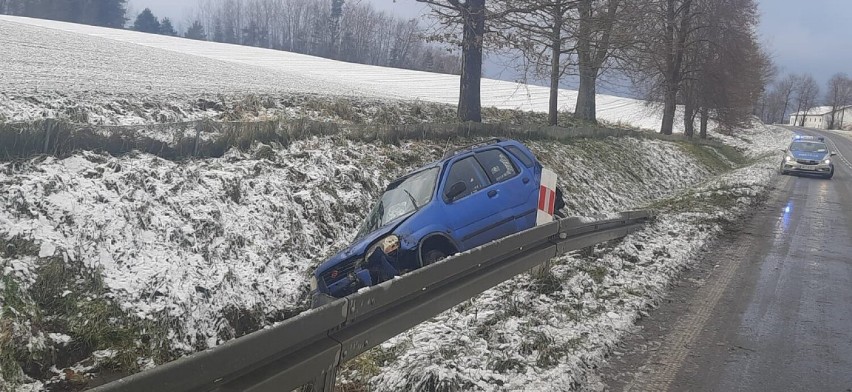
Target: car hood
[812, 156]
[358, 248]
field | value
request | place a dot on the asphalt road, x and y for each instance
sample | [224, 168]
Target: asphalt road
[770, 307]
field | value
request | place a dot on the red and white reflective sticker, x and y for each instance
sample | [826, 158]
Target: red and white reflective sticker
[546, 197]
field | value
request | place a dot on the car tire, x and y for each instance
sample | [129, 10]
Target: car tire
[433, 256]
[830, 174]
[559, 204]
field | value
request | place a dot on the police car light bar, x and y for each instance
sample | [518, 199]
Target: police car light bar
[807, 137]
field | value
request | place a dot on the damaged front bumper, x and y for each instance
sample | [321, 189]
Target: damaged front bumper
[378, 268]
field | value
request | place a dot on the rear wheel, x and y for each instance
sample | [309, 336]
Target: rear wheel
[433, 256]
[559, 204]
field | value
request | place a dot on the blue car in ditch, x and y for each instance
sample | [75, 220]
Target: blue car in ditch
[470, 197]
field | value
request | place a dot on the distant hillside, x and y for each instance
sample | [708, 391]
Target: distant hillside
[112, 61]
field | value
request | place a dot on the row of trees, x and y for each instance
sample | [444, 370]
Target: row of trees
[702, 54]
[354, 32]
[146, 22]
[795, 94]
[109, 13]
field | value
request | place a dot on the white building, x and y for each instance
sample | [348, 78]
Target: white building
[820, 118]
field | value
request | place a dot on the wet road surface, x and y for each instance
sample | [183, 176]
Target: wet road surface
[770, 309]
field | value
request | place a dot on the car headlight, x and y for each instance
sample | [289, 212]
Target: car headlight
[314, 284]
[788, 159]
[388, 245]
[827, 161]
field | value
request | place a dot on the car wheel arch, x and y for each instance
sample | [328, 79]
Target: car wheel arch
[436, 241]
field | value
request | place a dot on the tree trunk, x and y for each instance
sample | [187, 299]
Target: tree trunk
[705, 117]
[556, 54]
[470, 104]
[784, 119]
[833, 114]
[675, 48]
[669, 109]
[689, 118]
[586, 108]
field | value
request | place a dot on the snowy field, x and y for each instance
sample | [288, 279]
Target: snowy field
[41, 57]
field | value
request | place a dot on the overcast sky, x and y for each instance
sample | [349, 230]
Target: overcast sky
[816, 38]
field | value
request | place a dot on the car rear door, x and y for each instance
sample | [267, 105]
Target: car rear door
[515, 188]
[476, 216]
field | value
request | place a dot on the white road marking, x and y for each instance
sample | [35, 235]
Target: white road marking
[839, 154]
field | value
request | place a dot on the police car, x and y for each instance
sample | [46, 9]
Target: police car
[808, 155]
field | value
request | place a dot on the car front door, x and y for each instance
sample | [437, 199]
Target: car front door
[476, 215]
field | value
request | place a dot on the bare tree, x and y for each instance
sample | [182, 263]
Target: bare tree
[471, 15]
[732, 97]
[541, 34]
[665, 31]
[805, 92]
[598, 24]
[838, 96]
[784, 90]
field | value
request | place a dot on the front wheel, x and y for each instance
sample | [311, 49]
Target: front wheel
[433, 256]
[830, 174]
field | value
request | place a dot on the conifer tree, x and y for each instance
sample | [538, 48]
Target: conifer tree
[147, 22]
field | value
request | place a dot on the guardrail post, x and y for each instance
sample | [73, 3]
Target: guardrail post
[325, 381]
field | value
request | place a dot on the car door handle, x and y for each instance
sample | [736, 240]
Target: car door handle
[526, 180]
[492, 193]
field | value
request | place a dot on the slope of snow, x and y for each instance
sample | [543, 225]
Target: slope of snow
[48, 56]
[183, 244]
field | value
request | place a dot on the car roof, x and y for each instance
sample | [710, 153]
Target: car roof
[808, 142]
[457, 151]
[471, 147]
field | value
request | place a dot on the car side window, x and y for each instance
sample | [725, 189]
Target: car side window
[524, 158]
[468, 171]
[497, 164]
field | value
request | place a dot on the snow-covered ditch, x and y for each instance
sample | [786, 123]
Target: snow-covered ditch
[150, 258]
[551, 332]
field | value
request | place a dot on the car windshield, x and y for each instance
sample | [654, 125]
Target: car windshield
[808, 147]
[401, 198]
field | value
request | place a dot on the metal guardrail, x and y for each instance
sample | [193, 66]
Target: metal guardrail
[308, 348]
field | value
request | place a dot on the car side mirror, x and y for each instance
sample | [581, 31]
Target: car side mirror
[783, 150]
[455, 190]
[833, 154]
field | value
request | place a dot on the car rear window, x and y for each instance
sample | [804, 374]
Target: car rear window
[523, 157]
[497, 164]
